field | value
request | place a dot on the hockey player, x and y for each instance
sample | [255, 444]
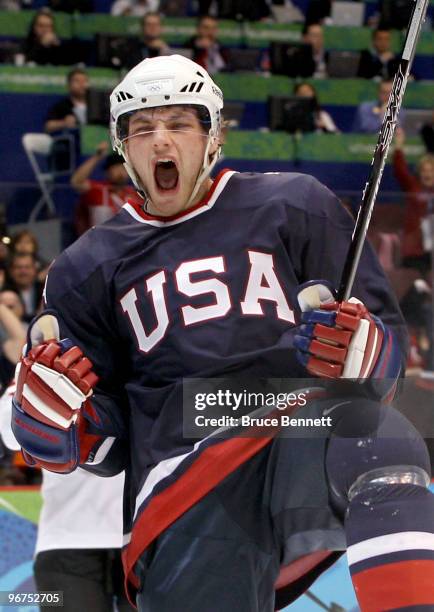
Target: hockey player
[199, 282]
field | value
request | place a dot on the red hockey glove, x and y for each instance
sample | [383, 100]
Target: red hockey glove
[54, 381]
[343, 340]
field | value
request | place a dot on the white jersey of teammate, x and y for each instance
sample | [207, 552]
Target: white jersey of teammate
[79, 510]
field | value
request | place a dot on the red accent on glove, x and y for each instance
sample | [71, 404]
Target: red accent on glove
[329, 352]
[73, 365]
[47, 355]
[332, 334]
[65, 361]
[324, 369]
[329, 348]
[58, 468]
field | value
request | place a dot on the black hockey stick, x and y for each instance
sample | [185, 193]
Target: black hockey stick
[332, 608]
[381, 150]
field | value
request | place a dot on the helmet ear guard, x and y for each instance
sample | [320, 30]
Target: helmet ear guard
[167, 81]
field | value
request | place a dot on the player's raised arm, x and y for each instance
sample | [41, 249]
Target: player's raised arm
[360, 339]
[61, 417]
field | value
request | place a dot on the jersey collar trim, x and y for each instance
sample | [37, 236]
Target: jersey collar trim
[220, 182]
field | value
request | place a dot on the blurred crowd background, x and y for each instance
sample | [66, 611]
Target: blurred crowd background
[306, 83]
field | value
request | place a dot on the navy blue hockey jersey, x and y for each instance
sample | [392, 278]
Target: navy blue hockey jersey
[206, 293]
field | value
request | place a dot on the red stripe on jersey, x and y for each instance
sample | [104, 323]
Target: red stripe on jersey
[139, 208]
[212, 466]
[395, 585]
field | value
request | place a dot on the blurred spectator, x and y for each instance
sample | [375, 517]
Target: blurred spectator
[71, 111]
[133, 50]
[416, 306]
[427, 133]
[379, 61]
[13, 301]
[72, 6]
[207, 50]
[387, 245]
[42, 45]
[101, 200]
[369, 115]
[4, 254]
[417, 242]
[12, 339]
[26, 243]
[10, 5]
[12, 334]
[134, 8]
[318, 11]
[314, 35]
[2, 274]
[417, 239]
[153, 43]
[23, 278]
[4, 260]
[323, 120]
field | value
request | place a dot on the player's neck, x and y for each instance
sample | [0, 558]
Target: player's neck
[201, 195]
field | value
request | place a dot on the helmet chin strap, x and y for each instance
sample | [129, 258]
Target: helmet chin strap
[133, 176]
[206, 169]
[204, 172]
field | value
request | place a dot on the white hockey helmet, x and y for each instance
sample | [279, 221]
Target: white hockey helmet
[166, 81]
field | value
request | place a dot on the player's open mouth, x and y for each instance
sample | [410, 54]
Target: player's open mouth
[166, 175]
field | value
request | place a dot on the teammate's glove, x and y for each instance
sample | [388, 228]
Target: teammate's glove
[343, 340]
[54, 381]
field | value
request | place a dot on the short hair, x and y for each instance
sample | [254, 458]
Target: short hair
[297, 86]
[151, 14]
[380, 29]
[71, 74]
[309, 25]
[202, 18]
[43, 12]
[14, 256]
[15, 239]
[428, 158]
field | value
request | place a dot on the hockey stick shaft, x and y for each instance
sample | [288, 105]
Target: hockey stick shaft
[321, 604]
[381, 150]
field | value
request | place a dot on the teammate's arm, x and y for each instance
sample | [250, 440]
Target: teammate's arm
[80, 178]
